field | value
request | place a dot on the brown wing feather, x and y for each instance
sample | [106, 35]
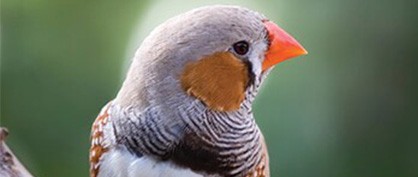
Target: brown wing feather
[97, 148]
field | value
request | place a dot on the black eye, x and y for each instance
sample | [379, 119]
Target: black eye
[241, 47]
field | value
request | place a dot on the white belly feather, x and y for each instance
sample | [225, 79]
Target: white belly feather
[121, 163]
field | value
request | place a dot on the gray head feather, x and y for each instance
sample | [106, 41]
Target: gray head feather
[153, 76]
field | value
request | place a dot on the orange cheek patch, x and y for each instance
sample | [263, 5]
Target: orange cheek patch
[219, 80]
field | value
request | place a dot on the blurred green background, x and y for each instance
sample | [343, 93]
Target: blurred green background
[348, 109]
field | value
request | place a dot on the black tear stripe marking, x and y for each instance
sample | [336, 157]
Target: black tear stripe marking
[251, 75]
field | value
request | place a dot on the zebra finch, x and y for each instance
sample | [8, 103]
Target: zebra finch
[184, 108]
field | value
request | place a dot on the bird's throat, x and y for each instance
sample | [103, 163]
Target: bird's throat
[218, 80]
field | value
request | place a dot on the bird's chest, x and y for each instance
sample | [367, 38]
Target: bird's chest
[209, 146]
[119, 162]
[225, 156]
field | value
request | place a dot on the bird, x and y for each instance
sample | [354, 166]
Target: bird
[185, 106]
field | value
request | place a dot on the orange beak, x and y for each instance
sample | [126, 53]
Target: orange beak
[282, 46]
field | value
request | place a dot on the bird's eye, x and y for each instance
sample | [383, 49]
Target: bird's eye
[241, 47]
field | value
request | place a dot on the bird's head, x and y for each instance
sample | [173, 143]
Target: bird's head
[213, 54]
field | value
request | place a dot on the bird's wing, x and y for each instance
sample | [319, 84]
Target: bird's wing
[262, 169]
[98, 144]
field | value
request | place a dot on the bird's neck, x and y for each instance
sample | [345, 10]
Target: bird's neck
[183, 130]
[193, 137]
[220, 142]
